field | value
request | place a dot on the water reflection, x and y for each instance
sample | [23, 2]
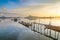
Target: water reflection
[10, 30]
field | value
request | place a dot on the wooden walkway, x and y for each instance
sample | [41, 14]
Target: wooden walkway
[55, 28]
[47, 26]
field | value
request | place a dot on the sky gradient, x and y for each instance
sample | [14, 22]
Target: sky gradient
[32, 7]
[22, 3]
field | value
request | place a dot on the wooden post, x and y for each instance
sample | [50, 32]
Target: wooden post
[58, 36]
[55, 34]
[44, 31]
[39, 24]
[31, 26]
[41, 29]
[34, 27]
[38, 27]
[50, 24]
[47, 31]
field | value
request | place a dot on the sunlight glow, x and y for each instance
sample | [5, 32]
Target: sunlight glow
[56, 10]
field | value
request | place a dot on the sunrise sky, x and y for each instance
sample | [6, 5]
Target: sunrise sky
[31, 7]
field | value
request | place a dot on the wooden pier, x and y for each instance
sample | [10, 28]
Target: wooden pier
[47, 27]
[39, 29]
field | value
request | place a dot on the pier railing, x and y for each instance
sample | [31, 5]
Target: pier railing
[46, 30]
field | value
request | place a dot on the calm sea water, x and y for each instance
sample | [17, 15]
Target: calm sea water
[10, 30]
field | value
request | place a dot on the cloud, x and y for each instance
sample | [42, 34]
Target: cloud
[23, 3]
[38, 2]
[39, 10]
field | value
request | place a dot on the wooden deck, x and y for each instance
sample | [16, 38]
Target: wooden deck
[55, 28]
